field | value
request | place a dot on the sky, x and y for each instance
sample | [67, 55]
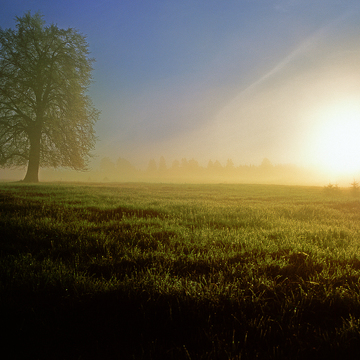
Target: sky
[215, 79]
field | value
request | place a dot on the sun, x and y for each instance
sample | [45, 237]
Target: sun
[335, 141]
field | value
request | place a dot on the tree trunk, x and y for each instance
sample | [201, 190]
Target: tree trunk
[32, 174]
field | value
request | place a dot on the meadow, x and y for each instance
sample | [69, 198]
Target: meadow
[179, 271]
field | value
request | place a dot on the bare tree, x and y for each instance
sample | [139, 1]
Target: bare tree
[46, 118]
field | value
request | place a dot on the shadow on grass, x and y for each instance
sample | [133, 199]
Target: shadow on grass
[143, 325]
[98, 215]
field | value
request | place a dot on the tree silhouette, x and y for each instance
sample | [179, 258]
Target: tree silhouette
[175, 165]
[193, 166]
[230, 165]
[152, 168]
[45, 117]
[107, 165]
[162, 165]
[266, 164]
[124, 166]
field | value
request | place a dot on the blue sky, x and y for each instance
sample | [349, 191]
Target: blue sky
[211, 79]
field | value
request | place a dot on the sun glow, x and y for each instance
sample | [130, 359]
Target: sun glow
[336, 140]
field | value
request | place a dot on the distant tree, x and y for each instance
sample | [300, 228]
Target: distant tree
[214, 168]
[175, 165]
[107, 165]
[217, 165]
[162, 164]
[229, 165]
[124, 166]
[151, 166]
[355, 185]
[193, 165]
[46, 118]
[184, 164]
[266, 164]
[355, 188]
[331, 188]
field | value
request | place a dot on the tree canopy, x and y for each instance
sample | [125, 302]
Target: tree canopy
[46, 117]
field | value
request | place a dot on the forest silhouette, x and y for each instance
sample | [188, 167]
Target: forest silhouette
[187, 171]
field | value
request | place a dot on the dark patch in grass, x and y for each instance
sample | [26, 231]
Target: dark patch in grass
[130, 237]
[16, 239]
[74, 202]
[164, 236]
[12, 206]
[354, 263]
[300, 265]
[151, 242]
[10, 203]
[97, 215]
[350, 207]
[143, 324]
[108, 268]
[191, 269]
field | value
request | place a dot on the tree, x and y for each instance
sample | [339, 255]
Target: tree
[229, 165]
[124, 166]
[175, 165]
[152, 168]
[46, 118]
[106, 165]
[266, 164]
[355, 188]
[193, 165]
[162, 165]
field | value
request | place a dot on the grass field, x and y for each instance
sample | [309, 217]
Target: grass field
[163, 271]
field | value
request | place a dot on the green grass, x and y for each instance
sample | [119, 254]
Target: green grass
[158, 271]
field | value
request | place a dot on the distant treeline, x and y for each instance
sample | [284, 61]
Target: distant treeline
[191, 171]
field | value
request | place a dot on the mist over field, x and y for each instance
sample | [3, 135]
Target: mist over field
[188, 171]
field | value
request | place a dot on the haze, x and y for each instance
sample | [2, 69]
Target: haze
[219, 80]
